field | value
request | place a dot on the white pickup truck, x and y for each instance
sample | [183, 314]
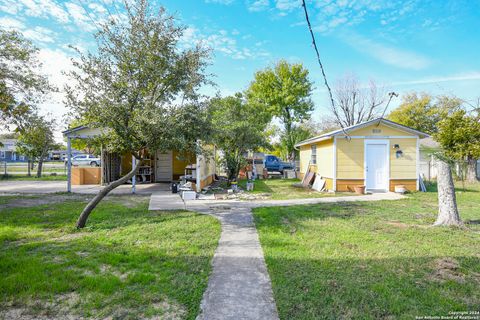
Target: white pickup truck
[85, 160]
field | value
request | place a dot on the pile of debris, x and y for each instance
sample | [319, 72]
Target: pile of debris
[312, 180]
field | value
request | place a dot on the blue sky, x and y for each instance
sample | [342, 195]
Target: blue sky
[427, 46]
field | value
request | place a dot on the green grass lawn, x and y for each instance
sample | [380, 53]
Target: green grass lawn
[44, 177]
[282, 189]
[129, 262]
[372, 260]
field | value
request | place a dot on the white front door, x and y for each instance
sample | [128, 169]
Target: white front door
[163, 167]
[376, 165]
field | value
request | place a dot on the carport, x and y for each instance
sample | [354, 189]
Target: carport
[87, 133]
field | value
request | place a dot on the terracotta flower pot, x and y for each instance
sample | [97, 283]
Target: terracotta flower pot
[359, 189]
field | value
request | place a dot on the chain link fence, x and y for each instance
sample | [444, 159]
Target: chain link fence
[21, 168]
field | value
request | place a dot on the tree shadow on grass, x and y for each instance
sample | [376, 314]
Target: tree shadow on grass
[108, 215]
[355, 288]
[296, 215]
[110, 274]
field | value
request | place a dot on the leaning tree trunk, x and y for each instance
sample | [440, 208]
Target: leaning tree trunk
[82, 220]
[447, 202]
[471, 175]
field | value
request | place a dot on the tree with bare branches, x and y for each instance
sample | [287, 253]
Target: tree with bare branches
[354, 103]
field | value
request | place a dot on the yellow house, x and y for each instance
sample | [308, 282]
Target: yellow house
[378, 154]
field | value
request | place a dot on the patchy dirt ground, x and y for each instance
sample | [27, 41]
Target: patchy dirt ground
[23, 201]
[447, 269]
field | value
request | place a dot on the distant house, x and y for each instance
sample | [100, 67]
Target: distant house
[379, 154]
[8, 151]
[428, 163]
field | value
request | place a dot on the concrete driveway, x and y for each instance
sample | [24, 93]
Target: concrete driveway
[45, 187]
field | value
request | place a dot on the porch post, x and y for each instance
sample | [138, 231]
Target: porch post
[134, 162]
[102, 166]
[198, 178]
[69, 164]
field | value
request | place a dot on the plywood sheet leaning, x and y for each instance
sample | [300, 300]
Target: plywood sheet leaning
[319, 183]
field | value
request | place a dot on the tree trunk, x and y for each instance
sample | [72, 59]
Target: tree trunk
[471, 174]
[82, 220]
[39, 168]
[447, 202]
[29, 171]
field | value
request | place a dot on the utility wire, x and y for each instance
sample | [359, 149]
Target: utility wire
[390, 97]
[314, 43]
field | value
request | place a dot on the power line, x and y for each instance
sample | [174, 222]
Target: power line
[88, 14]
[390, 97]
[332, 101]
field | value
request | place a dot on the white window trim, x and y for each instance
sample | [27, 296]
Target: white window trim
[313, 147]
[376, 141]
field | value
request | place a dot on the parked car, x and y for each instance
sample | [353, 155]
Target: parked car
[85, 160]
[273, 163]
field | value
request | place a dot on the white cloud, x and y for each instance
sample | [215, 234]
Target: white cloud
[387, 54]
[81, 18]
[11, 23]
[287, 5]
[220, 1]
[39, 34]
[10, 6]
[221, 41]
[36, 34]
[43, 8]
[258, 5]
[54, 62]
[469, 76]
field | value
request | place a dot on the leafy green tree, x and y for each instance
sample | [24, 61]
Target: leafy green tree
[422, 112]
[299, 133]
[459, 137]
[141, 87]
[284, 92]
[237, 129]
[22, 86]
[36, 139]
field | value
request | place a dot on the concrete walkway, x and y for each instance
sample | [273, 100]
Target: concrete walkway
[46, 187]
[166, 200]
[239, 286]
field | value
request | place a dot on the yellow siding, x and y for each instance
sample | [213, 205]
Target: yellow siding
[404, 167]
[384, 131]
[350, 158]
[325, 158]
[180, 161]
[305, 156]
[324, 166]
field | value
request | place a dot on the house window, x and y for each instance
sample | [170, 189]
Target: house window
[313, 159]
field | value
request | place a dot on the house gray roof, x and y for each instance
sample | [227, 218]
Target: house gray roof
[387, 122]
